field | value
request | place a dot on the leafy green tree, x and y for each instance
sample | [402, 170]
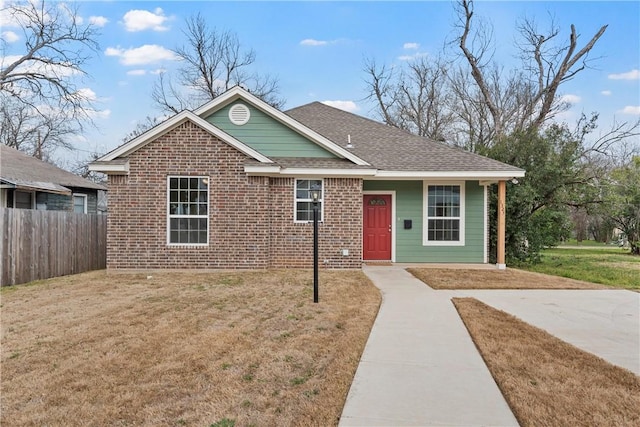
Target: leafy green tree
[538, 205]
[624, 201]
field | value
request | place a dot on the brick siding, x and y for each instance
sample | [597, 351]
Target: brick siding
[251, 218]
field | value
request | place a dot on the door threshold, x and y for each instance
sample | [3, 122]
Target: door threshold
[377, 262]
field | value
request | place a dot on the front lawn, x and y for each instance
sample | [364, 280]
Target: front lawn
[613, 267]
[247, 348]
[455, 278]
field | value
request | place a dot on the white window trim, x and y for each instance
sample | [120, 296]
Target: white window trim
[295, 200]
[425, 217]
[169, 216]
[84, 196]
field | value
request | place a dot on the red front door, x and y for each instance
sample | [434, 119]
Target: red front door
[376, 227]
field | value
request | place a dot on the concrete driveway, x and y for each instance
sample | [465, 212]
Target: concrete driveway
[421, 368]
[603, 322]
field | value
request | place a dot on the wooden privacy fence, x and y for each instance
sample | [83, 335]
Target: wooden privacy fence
[38, 245]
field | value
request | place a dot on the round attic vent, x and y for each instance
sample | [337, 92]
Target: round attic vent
[239, 114]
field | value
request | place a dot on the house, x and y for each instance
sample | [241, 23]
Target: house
[229, 185]
[29, 183]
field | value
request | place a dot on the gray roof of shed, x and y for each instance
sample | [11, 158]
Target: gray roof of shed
[389, 148]
[22, 170]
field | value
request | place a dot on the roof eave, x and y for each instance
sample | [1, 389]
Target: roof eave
[278, 171]
[110, 168]
[448, 175]
[43, 187]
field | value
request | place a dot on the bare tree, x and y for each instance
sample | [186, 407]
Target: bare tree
[143, 126]
[547, 66]
[35, 134]
[416, 99]
[41, 102]
[212, 62]
[381, 88]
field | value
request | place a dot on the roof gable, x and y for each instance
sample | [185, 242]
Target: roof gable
[265, 134]
[237, 93]
[170, 124]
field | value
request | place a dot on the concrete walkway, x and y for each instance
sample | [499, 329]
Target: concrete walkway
[420, 367]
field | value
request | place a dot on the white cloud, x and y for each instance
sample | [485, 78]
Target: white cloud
[31, 66]
[313, 42]
[101, 114]
[606, 92]
[98, 21]
[631, 109]
[413, 46]
[10, 20]
[140, 20]
[10, 36]
[629, 75]
[570, 99]
[158, 71]
[349, 106]
[146, 54]
[87, 94]
[136, 72]
[412, 57]
[8, 60]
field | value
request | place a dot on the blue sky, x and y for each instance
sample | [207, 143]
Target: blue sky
[316, 50]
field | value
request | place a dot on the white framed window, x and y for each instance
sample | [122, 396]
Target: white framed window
[80, 203]
[444, 214]
[304, 189]
[187, 210]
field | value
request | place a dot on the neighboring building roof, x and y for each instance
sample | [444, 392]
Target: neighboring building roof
[26, 172]
[391, 149]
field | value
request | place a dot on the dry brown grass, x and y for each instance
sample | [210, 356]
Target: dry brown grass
[450, 278]
[183, 349]
[546, 381]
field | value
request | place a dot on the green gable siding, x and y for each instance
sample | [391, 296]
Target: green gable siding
[268, 136]
[409, 205]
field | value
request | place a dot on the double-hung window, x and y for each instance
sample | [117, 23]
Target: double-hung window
[445, 214]
[305, 189]
[80, 203]
[188, 210]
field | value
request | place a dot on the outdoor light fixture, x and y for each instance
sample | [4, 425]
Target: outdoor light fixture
[315, 204]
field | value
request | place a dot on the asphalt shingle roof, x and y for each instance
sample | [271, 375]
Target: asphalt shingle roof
[23, 170]
[389, 148]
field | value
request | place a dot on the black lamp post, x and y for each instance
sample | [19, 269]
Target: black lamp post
[316, 207]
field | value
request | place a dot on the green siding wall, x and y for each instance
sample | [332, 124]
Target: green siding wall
[409, 205]
[267, 136]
